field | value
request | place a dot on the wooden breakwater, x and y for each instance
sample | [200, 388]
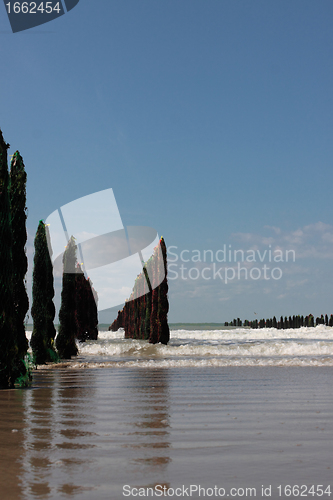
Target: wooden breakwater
[284, 322]
[145, 314]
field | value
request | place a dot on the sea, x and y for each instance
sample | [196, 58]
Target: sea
[211, 345]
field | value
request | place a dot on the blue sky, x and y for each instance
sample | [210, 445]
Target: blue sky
[211, 121]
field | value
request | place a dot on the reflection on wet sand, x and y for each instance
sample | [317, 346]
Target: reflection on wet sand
[83, 430]
[52, 413]
[38, 434]
[150, 419]
[11, 443]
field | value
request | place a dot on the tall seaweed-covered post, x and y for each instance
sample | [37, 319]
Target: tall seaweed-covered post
[42, 310]
[86, 315]
[8, 347]
[164, 332]
[81, 311]
[118, 322]
[17, 193]
[38, 337]
[49, 304]
[159, 328]
[153, 334]
[148, 299]
[65, 340]
[136, 304]
[141, 307]
[92, 310]
[124, 316]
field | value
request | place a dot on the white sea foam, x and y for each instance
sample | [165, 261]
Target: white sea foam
[236, 347]
[205, 363]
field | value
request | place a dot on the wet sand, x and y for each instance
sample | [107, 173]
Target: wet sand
[86, 433]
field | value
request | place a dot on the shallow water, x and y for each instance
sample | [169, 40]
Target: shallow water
[91, 426]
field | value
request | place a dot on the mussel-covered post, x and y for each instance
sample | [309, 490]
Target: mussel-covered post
[43, 310]
[8, 346]
[65, 340]
[18, 199]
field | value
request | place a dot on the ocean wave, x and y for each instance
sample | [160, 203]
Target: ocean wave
[141, 348]
[198, 363]
[238, 347]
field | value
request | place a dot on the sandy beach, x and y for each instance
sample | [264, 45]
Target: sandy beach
[166, 246]
[87, 433]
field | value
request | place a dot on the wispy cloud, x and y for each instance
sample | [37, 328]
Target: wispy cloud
[311, 241]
